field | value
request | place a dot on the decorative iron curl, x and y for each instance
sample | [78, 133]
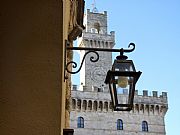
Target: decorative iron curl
[74, 64]
[130, 50]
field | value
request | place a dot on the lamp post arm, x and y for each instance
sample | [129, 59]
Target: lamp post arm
[92, 59]
[103, 49]
[93, 49]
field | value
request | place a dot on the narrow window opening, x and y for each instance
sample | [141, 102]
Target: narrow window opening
[119, 124]
[80, 122]
[145, 126]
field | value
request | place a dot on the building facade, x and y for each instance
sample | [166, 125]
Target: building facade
[91, 111]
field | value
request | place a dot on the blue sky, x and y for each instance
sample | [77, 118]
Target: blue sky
[154, 26]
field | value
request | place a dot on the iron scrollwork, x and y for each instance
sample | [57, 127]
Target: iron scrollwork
[74, 64]
[92, 58]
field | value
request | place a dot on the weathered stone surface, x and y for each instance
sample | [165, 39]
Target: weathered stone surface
[104, 121]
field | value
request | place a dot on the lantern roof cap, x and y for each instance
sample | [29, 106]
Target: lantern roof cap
[121, 57]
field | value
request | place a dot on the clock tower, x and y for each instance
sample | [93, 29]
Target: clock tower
[95, 35]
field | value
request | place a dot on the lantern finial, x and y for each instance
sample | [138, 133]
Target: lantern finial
[122, 56]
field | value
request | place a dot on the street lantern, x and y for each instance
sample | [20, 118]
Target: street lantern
[122, 80]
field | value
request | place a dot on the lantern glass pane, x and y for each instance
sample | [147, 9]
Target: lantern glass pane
[124, 86]
[123, 65]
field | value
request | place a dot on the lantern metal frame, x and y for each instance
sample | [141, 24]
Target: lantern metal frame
[68, 66]
[110, 79]
[113, 91]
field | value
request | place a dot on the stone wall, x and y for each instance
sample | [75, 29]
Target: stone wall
[32, 85]
[99, 119]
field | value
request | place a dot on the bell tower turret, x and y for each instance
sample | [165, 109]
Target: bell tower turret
[95, 35]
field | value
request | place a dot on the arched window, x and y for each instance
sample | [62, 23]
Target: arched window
[145, 126]
[119, 124]
[80, 122]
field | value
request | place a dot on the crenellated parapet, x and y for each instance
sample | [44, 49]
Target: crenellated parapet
[154, 93]
[87, 101]
[150, 104]
[154, 98]
[94, 40]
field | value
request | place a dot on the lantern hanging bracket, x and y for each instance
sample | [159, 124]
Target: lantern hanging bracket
[122, 51]
[73, 64]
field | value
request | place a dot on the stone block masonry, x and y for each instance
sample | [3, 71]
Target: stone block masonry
[99, 119]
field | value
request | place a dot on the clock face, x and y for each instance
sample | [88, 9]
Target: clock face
[98, 74]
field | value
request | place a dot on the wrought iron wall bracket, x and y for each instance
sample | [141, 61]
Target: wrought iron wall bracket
[92, 58]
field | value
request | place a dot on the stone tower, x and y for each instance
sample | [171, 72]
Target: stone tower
[92, 75]
[91, 105]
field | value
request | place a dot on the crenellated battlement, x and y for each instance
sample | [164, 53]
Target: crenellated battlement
[154, 94]
[101, 101]
[145, 93]
[88, 36]
[100, 40]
